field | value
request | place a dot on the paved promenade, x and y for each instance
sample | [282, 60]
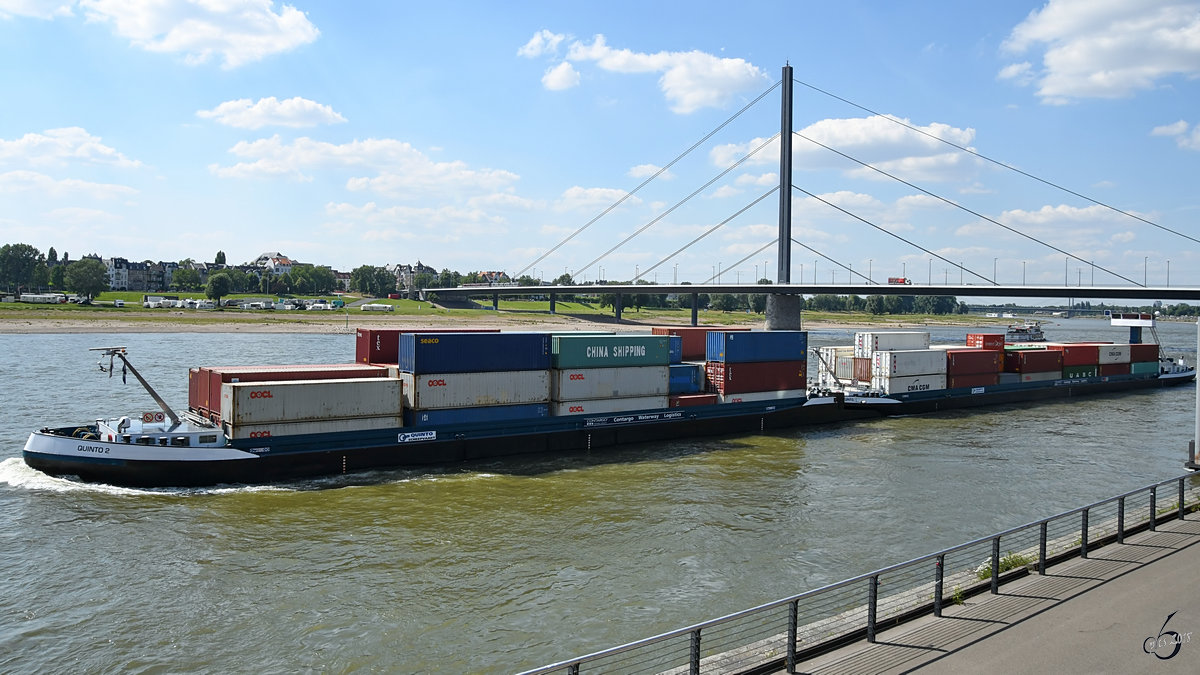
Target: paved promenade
[1105, 614]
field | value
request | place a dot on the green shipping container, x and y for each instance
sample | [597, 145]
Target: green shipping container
[1144, 368]
[1072, 372]
[609, 351]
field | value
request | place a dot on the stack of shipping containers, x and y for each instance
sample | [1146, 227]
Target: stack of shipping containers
[297, 407]
[205, 383]
[756, 366]
[978, 364]
[899, 361]
[457, 378]
[609, 373]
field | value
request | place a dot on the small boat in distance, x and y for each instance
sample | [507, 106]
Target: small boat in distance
[1026, 331]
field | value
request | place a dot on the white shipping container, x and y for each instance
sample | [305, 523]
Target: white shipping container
[1114, 354]
[304, 400]
[579, 384]
[908, 362]
[608, 405]
[276, 429]
[909, 384]
[1040, 377]
[867, 343]
[469, 390]
[761, 396]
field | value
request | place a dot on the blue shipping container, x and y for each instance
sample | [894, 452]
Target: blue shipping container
[675, 348]
[686, 378]
[473, 352]
[481, 414]
[753, 346]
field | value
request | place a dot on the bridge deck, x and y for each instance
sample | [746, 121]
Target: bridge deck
[1091, 615]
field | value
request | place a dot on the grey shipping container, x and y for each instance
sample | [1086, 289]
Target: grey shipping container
[307, 400]
[577, 384]
[429, 391]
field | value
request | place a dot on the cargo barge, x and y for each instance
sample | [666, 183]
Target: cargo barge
[422, 399]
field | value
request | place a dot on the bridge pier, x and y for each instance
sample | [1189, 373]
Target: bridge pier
[553, 297]
[496, 301]
[617, 307]
[695, 309]
[784, 312]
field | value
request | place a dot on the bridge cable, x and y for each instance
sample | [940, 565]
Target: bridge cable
[646, 182]
[893, 234]
[974, 213]
[999, 163]
[815, 251]
[709, 231]
[677, 204]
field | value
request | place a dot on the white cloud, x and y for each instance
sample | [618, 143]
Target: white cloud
[36, 9]
[769, 179]
[1170, 129]
[581, 197]
[542, 43]
[560, 77]
[1179, 130]
[81, 216]
[876, 140]
[1107, 48]
[1021, 73]
[402, 171]
[647, 170]
[32, 181]
[293, 112]
[689, 80]
[724, 191]
[236, 31]
[59, 147]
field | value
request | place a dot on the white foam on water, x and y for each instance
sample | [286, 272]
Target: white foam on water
[18, 474]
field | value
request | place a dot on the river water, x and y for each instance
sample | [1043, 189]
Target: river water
[508, 565]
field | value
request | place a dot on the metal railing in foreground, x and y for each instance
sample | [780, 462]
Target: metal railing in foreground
[782, 633]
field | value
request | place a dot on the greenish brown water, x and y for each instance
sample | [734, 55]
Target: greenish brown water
[507, 565]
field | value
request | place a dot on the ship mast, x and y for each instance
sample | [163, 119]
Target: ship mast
[119, 352]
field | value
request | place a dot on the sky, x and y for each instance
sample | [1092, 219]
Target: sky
[517, 136]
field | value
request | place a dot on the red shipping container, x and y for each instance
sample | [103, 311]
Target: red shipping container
[862, 368]
[973, 361]
[1107, 369]
[687, 400]
[380, 345]
[1077, 354]
[975, 380]
[743, 378]
[695, 338]
[986, 340]
[1140, 353]
[204, 383]
[1032, 360]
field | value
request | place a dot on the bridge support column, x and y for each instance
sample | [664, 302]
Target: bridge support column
[784, 312]
[496, 301]
[695, 309]
[553, 297]
[617, 306]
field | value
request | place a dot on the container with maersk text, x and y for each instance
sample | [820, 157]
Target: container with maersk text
[473, 352]
[463, 390]
[610, 351]
[574, 384]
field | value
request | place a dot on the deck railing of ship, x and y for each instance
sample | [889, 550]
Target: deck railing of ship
[779, 634]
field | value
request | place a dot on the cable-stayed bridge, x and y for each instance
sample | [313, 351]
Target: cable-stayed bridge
[783, 293]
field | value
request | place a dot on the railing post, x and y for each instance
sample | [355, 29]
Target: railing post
[872, 604]
[1042, 549]
[995, 565]
[793, 625]
[1120, 520]
[1083, 532]
[1181, 513]
[573, 669]
[694, 665]
[939, 578]
[1153, 506]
